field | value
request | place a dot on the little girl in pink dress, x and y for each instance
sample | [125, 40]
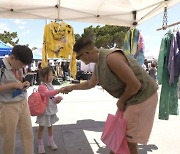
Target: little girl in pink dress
[49, 117]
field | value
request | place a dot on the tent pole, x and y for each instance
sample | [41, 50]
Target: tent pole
[59, 2]
[164, 27]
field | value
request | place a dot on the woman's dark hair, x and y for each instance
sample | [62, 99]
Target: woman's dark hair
[83, 42]
[43, 73]
[23, 54]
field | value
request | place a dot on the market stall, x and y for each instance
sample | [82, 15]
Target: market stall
[4, 49]
[112, 12]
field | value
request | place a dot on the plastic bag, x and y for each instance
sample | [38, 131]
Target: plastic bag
[113, 135]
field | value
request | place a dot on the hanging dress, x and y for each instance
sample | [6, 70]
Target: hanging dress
[168, 104]
[134, 45]
[58, 42]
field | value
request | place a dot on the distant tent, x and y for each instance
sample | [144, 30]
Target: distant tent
[4, 49]
[37, 54]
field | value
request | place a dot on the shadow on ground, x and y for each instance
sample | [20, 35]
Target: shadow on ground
[144, 149]
[71, 139]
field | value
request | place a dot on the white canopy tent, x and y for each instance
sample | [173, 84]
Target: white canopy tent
[112, 12]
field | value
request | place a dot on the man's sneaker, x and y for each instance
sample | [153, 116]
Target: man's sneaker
[52, 145]
[41, 148]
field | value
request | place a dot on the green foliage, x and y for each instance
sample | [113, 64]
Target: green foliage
[77, 36]
[107, 36]
[10, 38]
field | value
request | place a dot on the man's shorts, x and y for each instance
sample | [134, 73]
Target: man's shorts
[140, 119]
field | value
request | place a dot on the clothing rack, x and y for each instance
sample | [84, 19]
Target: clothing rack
[58, 20]
[165, 27]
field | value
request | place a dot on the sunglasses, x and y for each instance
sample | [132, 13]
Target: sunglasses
[79, 56]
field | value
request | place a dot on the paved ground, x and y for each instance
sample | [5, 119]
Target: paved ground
[82, 115]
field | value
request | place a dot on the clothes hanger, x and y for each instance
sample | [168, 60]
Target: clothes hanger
[174, 30]
[58, 21]
[177, 28]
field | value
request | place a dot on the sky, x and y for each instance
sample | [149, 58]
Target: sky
[30, 31]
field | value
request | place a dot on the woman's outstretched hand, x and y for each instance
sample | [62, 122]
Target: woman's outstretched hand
[65, 90]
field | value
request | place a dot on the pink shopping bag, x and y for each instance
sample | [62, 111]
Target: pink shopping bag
[113, 135]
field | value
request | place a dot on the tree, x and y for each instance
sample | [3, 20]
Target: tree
[77, 36]
[107, 36]
[11, 38]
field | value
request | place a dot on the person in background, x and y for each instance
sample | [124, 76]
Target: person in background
[37, 73]
[65, 69]
[122, 77]
[59, 70]
[48, 118]
[153, 71]
[146, 63]
[14, 111]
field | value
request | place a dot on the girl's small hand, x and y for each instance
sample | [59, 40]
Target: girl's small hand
[57, 99]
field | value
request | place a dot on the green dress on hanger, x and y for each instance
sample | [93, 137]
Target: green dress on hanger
[168, 104]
